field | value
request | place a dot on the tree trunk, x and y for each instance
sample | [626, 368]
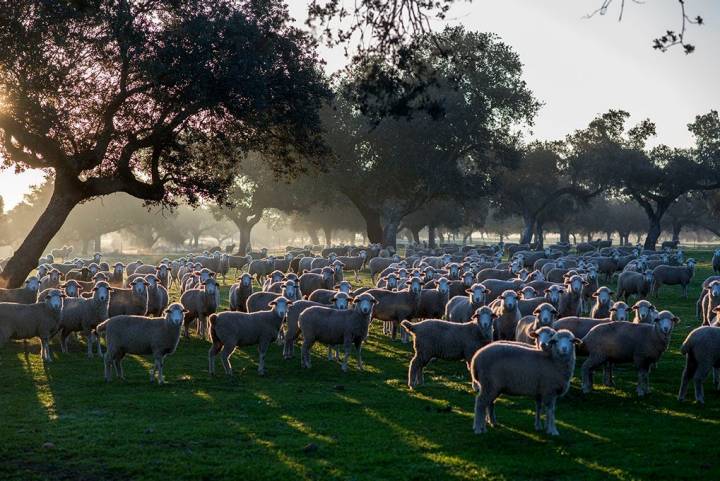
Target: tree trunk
[654, 231]
[85, 245]
[432, 232]
[390, 235]
[313, 237]
[415, 235]
[608, 235]
[25, 258]
[328, 236]
[98, 243]
[539, 236]
[677, 227]
[527, 230]
[564, 234]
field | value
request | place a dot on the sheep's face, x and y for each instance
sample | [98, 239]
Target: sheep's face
[118, 269]
[102, 292]
[288, 257]
[715, 288]
[246, 280]
[290, 290]
[454, 270]
[545, 314]
[602, 296]
[538, 276]
[642, 310]
[54, 275]
[563, 343]
[32, 283]
[79, 263]
[510, 299]
[364, 303]
[477, 294]
[54, 299]
[362, 254]
[327, 275]
[560, 264]
[332, 257]
[392, 281]
[71, 289]
[649, 277]
[210, 286]
[341, 301]
[162, 270]
[620, 311]
[443, 285]
[515, 266]
[97, 257]
[468, 278]
[665, 322]
[338, 268]
[276, 277]
[446, 258]
[484, 317]
[152, 281]
[691, 263]
[415, 285]
[576, 284]
[93, 268]
[139, 285]
[527, 293]
[42, 271]
[543, 336]
[280, 306]
[175, 314]
[552, 294]
[344, 286]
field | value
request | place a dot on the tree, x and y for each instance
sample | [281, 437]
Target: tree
[114, 96]
[607, 155]
[390, 166]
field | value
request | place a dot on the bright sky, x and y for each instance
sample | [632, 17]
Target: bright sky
[578, 67]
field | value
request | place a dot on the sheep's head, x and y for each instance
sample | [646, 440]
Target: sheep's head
[246, 279]
[79, 263]
[714, 288]
[289, 289]
[42, 271]
[563, 343]
[364, 303]
[545, 314]
[97, 257]
[152, 280]
[575, 284]
[649, 276]
[619, 311]
[118, 268]
[509, 299]
[344, 286]
[32, 283]
[484, 316]
[175, 314]
[414, 285]
[391, 281]
[691, 263]
[332, 256]
[55, 275]
[71, 288]
[537, 275]
[162, 269]
[362, 254]
[139, 285]
[93, 268]
[542, 335]
[443, 285]
[210, 286]
[560, 264]
[528, 292]
[603, 295]
[468, 278]
[280, 305]
[454, 270]
[446, 258]
[101, 291]
[276, 276]
[643, 310]
[338, 267]
[341, 300]
[665, 322]
[54, 299]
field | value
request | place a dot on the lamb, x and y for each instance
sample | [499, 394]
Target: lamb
[310, 282]
[433, 301]
[158, 299]
[26, 321]
[674, 275]
[461, 308]
[514, 369]
[142, 335]
[644, 312]
[354, 263]
[603, 303]
[83, 315]
[636, 283]
[340, 301]
[130, 302]
[625, 342]
[436, 339]
[333, 327]
[701, 349]
[396, 306]
[240, 292]
[508, 316]
[229, 330]
[199, 303]
[260, 301]
[22, 295]
[543, 316]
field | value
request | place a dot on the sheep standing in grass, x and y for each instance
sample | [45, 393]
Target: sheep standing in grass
[239, 293]
[603, 303]
[130, 302]
[26, 321]
[199, 303]
[710, 300]
[229, 330]
[462, 308]
[158, 299]
[514, 369]
[644, 312]
[433, 301]
[396, 306]
[674, 275]
[22, 295]
[337, 327]
[701, 349]
[543, 316]
[142, 335]
[354, 263]
[508, 315]
[634, 283]
[627, 342]
[451, 341]
[571, 301]
[310, 282]
[340, 301]
[84, 315]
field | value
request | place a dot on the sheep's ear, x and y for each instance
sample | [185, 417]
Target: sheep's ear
[533, 334]
[612, 293]
[577, 342]
[468, 291]
[186, 311]
[272, 303]
[594, 295]
[675, 320]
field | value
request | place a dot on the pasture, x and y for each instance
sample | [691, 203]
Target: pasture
[62, 421]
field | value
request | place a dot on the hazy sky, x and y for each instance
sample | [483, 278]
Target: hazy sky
[579, 67]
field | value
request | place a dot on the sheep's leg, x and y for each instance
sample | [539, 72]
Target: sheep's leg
[262, 350]
[642, 379]
[212, 352]
[96, 338]
[358, 348]
[481, 402]
[550, 416]
[490, 414]
[700, 375]
[538, 415]
[608, 374]
[587, 372]
[225, 358]
[64, 341]
[289, 347]
[357, 278]
[346, 346]
[153, 370]
[305, 353]
[108, 371]
[687, 374]
[118, 364]
[47, 354]
[330, 353]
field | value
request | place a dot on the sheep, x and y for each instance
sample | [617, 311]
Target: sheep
[163, 274]
[260, 301]
[158, 299]
[340, 301]
[354, 263]
[229, 330]
[116, 278]
[49, 281]
[310, 282]
[634, 283]
[273, 278]
[625, 342]
[71, 288]
[81, 274]
[701, 349]
[145, 269]
[436, 339]
[325, 296]
[571, 301]
[238, 262]
[433, 301]
[130, 269]
[48, 259]
[497, 287]
[333, 327]
[199, 303]
[129, 302]
[644, 312]
[508, 316]
[22, 295]
[378, 264]
[710, 300]
[543, 316]
[674, 275]
[603, 303]
[461, 308]
[83, 315]
[499, 274]
[580, 326]
[142, 335]
[239, 293]
[260, 268]
[396, 306]
[514, 369]
[26, 321]
[63, 252]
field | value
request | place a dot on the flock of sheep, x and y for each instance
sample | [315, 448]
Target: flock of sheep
[517, 323]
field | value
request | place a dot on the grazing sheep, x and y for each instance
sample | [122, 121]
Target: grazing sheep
[710, 301]
[625, 342]
[199, 303]
[26, 321]
[644, 312]
[603, 303]
[83, 315]
[543, 316]
[674, 275]
[22, 295]
[240, 292]
[310, 282]
[508, 315]
[436, 339]
[354, 263]
[229, 330]
[142, 335]
[701, 349]
[158, 299]
[130, 302]
[514, 369]
[334, 327]
[461, 308]
[396, 306]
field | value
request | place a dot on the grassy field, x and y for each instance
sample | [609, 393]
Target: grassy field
[63, 421]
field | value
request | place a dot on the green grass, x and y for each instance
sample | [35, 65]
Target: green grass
[361, 425]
